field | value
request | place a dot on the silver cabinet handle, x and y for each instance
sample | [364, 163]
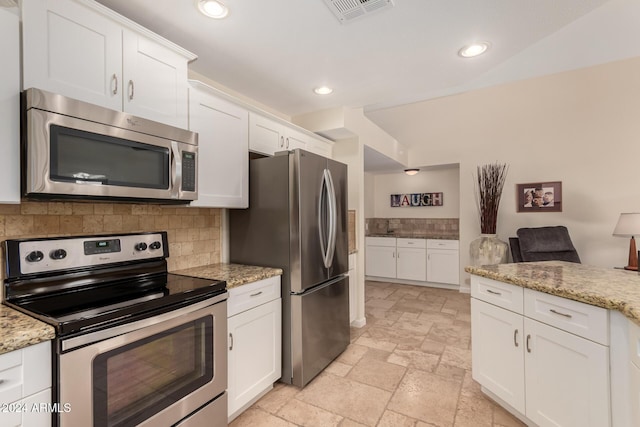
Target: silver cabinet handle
[256, 294]
[115, 81]
[515, 338]
[394, 254]
[231, 341]
[568, 316]
[131, 90]
[528, 348]
[494, 292]
[287, 143]
[282, 142]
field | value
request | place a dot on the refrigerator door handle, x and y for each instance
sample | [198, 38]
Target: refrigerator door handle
[333, 219]
[321, 230]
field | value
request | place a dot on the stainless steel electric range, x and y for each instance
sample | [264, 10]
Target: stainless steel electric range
[135, 345]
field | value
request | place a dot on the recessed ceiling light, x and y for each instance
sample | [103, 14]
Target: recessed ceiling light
[213, 8]
[411, 172]
[323, 90]
[474, 49]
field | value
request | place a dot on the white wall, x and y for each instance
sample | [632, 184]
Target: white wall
[580, 127]
[445, 180]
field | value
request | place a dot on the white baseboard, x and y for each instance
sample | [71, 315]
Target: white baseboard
[359, 323]
[413, 282]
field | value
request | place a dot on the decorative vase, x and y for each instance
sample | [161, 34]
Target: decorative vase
[488, 249]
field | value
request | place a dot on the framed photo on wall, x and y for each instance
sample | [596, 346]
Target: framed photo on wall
[539, 197]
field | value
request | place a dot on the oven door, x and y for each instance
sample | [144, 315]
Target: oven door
[71, 157]
[153, 371]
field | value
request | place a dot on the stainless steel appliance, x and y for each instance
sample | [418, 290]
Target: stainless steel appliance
[297, 220]
[73, 149]
[134, 344]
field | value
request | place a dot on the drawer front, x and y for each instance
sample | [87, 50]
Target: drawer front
[380, 241]
[498, 293]
[251, 295]
[412, 243]
[634, 343]
[581, 319]
[443, 244]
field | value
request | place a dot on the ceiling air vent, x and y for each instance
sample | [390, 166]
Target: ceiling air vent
[348, 10]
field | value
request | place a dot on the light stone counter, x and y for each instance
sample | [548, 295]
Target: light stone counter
[18, 330]
[234, 274]
[609, 288]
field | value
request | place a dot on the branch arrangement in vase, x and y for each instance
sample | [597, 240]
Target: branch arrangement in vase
[490, 182]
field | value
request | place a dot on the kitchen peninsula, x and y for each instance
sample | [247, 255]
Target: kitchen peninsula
[557, 343]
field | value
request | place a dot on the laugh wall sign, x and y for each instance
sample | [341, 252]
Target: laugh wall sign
[415, 200]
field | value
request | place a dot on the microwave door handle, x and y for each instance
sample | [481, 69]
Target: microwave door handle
[176, 169]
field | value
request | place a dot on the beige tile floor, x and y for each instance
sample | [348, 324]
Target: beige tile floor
[409, 366]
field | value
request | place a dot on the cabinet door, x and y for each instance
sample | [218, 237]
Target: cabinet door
[255, 353]
[155, 81]
[353, 290]
[567, 378]
[266, 136]
[411, 264]
[294, 139]
[635, 394]
[380, 261]
[72, 50]
[10, 107]
[223, 150]
[497, 338]
[443, 266]
[320, 147]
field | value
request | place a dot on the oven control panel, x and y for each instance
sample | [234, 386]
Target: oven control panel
[43, 255]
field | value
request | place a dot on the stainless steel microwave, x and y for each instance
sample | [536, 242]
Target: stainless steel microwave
[75, 150]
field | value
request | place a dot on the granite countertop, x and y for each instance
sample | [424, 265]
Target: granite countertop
[234, 274]
[614, 289]
[17, 330]
[413, 236]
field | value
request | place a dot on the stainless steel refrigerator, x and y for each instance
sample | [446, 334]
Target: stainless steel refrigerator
[297, 221]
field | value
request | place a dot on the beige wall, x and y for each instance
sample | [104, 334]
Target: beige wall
[445, 180]
[580, 127]
[194, 233]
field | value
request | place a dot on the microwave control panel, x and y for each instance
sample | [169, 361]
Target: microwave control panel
[188, 171]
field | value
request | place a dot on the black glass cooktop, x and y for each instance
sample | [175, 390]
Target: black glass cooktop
[96, 306]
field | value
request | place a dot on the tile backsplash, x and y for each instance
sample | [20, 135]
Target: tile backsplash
[194, 233]
[443, 228]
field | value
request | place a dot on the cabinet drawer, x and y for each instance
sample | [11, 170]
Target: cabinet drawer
[634, 343]
[251, 295]
[25, 371]
[443, 244]
[381, 241]
[411, 243]
[497, 293]
[581, 319]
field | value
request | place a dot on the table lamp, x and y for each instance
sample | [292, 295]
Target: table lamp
[629, 225]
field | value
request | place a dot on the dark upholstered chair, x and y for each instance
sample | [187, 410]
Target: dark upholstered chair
[543, 244]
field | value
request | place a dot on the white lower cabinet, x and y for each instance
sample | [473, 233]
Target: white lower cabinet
[255, 342]
[443, 261]
[25, 387]
[547, 375]
[353, 292]
[411, 261]
[418, 260]
[380, 257]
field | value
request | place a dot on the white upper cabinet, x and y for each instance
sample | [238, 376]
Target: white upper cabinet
[85, 51]
[9, 107]
[267, 136]
[223, 141]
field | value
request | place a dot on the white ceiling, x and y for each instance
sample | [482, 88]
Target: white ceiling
[276, 51]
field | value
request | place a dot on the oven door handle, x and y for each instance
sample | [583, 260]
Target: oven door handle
[90, 338]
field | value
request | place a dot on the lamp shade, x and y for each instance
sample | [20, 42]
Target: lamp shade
[628, 225]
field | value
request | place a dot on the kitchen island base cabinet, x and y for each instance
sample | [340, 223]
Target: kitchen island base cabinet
[549, 376]
[255, 342]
